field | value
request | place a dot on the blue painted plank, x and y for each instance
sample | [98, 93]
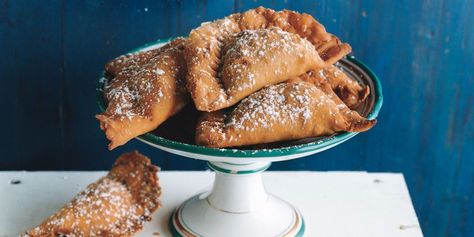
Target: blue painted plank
[422, 51]
[193, 13]
[190, 14]
[30, 92]
[110, 32]
[96, 32]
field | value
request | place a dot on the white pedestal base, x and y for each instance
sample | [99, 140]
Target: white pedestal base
[238, 205]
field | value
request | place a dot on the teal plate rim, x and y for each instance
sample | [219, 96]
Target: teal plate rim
[260, 153]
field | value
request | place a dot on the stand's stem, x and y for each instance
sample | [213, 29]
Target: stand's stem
[237, 205]
[238, 188]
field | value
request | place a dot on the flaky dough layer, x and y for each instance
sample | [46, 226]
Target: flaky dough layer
[348, 90]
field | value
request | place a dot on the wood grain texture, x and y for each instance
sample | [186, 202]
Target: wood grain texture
[387, 202]
[423, 52]
[30, 74]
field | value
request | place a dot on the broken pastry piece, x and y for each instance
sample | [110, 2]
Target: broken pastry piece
[144, 93]
[115, 205]
[348, 90]
[281, 112]
[233, 57]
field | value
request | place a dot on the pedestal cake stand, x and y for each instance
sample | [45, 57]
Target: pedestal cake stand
[238, 204]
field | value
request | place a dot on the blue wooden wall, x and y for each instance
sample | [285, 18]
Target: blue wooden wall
[52, 53]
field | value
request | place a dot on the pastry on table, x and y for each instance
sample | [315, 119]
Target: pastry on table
[281, 112]
[115, 205]
[267, 46]
[348, 90]
[147, 89]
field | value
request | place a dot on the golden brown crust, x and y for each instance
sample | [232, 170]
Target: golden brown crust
[133, 60]
[203, 58]
[115, 205]
[205, 53]
[144, 94]
[348, 90]
[329, 47]
[251, 60]
[280, 112]
[255, 58]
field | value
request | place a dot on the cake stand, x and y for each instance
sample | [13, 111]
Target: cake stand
[238, 204]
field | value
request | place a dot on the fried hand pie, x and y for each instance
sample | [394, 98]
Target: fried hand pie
[115, 205]
[250, 61]
[281, 112]
[143, 94]
[233, 57]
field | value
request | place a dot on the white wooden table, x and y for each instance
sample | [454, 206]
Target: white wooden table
[332, 203]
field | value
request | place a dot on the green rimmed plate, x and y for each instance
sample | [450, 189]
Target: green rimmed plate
[283, 151]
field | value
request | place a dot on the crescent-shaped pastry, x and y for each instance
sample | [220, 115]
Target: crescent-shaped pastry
[115, 205]
[261, 45]
[281, 112]
[347, 89]
[144, 93]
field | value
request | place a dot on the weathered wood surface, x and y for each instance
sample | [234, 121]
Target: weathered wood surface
[374, 204]
[423, 52]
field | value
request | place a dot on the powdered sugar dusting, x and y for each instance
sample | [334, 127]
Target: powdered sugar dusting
[159, 72]
[109, 207]
[130, 60]
[137, 87]
[257, 45]
[274, 104]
